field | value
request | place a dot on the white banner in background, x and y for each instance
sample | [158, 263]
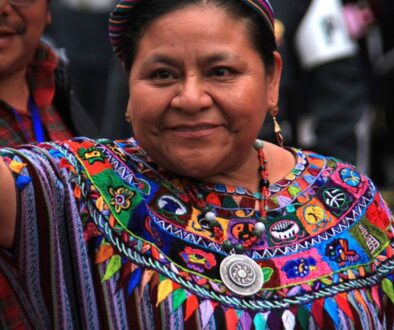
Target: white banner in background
[322, 35]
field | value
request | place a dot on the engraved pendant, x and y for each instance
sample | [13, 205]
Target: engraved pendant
[241, 274]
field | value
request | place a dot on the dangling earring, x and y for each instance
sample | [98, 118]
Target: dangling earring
[278, 131]
[128, 117]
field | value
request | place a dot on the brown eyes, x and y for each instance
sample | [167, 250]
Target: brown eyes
[162, 74]
[220, 72]
[168, 75]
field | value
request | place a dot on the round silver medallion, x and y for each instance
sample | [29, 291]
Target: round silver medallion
[241, 274]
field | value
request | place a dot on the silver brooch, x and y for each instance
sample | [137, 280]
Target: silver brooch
[241, 274]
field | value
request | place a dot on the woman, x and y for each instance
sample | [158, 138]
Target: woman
[181, 228]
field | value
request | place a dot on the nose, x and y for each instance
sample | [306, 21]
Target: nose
[3, 5]
[192, 96]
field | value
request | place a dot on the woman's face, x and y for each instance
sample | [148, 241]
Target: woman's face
[199, 92]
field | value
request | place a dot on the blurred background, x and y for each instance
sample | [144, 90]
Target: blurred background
[336, 92]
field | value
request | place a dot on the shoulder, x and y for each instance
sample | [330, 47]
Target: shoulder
[343, 189]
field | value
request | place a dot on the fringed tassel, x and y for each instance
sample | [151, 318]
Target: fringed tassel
[164, 289]
[105, 252]
[289, 320]
[387, 286]
[260, 321]
[178, 298]
[274, 320]
[125, 274]
[317, 312]
[344, 306]
[191, 306]
[332, 309]
[113, 267]
[145, 279]
[206, 308]
[134, 280]
[245, 320]
[303, 316]
[231, 319]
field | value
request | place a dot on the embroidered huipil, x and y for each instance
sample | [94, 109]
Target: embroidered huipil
[41, 80]
[107, 239]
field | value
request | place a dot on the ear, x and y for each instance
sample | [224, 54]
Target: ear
[49, 17]
[129, 112]
[274, 80]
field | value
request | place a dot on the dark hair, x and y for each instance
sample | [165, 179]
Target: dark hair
[145, 12]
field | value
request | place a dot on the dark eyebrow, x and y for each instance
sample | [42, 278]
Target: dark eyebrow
[219, 57]
[209, 60]
[159, 58]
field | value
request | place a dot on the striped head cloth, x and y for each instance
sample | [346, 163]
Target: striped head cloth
[120, 15]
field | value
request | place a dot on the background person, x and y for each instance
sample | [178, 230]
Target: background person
[324, 90]
[195, 223]
[36, 101]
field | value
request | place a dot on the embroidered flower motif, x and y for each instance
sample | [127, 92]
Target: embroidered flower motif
[121, 198]
[350, 177]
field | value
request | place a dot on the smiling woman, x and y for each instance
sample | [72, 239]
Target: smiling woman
[207, 88]
[194, 223]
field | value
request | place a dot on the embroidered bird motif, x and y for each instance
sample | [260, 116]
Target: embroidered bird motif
[338, 251]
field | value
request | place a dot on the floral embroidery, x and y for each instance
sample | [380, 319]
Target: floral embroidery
[121, 198]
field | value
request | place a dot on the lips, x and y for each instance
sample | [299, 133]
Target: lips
[193, 128]
[6, 33]
[8, 29]
[6, 39]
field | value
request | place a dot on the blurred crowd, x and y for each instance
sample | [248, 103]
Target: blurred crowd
[336, 88]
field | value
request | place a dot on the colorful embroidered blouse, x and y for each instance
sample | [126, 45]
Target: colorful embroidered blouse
[107, 239]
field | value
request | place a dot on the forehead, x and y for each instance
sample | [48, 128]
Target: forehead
[200, 22]
[195, 36]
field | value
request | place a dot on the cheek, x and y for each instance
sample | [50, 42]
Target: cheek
[35, 28]
[145, 113]
[148, 104]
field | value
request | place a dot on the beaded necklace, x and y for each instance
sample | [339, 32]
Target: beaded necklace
[208, 215]
[240, 273]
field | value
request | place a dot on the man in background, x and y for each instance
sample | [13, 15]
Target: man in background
[36, 104]
[36, 101]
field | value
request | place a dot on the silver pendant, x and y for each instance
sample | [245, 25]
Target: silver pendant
[241, 274]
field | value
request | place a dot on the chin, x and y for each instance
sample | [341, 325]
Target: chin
[192, 169]
[195, 173]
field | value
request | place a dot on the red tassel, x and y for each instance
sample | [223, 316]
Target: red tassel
[125, 274]
[344, 306]
[191, 306]
[317, 312]
[231, 319]
[376, 298]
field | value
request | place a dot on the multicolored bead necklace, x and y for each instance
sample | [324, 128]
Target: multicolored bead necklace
[210, 216]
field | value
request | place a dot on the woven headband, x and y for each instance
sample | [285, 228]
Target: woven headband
[119, 18]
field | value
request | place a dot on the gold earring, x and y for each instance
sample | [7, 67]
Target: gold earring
[274, 110]
[128, 118]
